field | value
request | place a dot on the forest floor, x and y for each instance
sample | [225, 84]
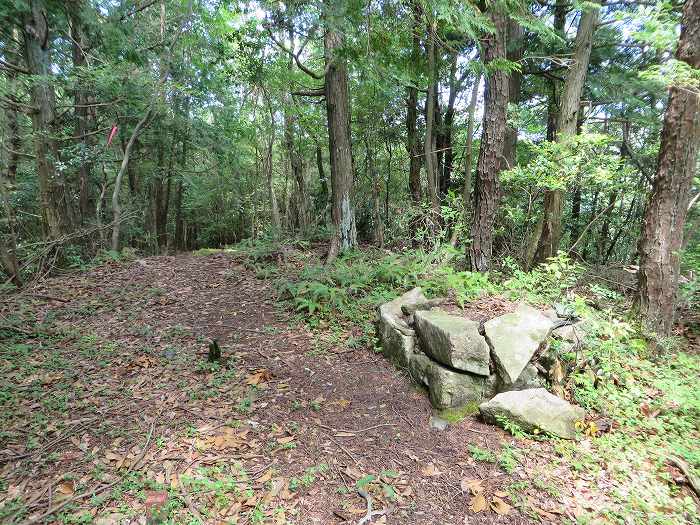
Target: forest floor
[112, 414]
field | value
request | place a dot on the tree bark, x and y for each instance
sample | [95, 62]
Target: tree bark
[667, 207]
[8, 222]
[376, 192]
[116, 208]
[487, 190]
[295, 159]
[338, 115]
[469, 148]
[445, 131]
[429, 142]
[274, 211]
[412, 143]
[550, 226]
[179, 221]
[56, 204]
[82, 114]
[514, 53]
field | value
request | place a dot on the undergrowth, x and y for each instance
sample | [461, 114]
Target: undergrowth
[650, 397]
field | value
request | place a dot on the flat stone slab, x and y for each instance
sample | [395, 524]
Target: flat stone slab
[448, 388]
[453, 341]
[398, 339]
[535, 409]
[514, 338]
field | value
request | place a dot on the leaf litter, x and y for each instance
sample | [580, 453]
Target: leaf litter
[111, 412]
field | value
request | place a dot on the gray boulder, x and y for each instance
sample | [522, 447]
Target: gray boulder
[453, 341]
[534, 409]
[514, 339]
[447, 388]
[397, 338]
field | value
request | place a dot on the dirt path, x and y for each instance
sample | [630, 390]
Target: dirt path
[111, 413]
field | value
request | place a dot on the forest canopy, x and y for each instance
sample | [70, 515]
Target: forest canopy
[510, 130]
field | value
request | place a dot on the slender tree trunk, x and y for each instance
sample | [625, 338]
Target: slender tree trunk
[179, 221]
[82, 114]
[429, 142]
[487, 190]
[469, 147]
[116, 207]
[338, 114]
[667, 207]
[8, 220]
[274, 211]
[376, 192]
[55, 195]
[412, 143]
[445, 131]
[551, 224]
[515, 51]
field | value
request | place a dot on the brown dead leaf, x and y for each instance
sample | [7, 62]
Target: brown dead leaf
[430, 470]
[477, 503]
[499, 506]
[285, 440]
[258, 377]
[472, 485]
[67, 488]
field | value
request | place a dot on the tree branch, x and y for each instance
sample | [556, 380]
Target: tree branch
[295, 56]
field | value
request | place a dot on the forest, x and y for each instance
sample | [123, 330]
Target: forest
[207, 205]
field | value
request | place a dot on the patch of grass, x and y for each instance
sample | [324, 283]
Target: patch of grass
[482, 454]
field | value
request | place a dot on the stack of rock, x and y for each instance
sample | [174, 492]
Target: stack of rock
[461, 362]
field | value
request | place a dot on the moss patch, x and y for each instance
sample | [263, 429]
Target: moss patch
[457, 414]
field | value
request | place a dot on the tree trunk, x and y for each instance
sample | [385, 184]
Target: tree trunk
[82, 115]
[8, 222]
[56, 207]
[338, 114]
[116, 207]
[179, 221]
[550, 228]
[469, 149]
[486, 192]
[376, 192]
[274, 211]
[412, 143]
[667, 207]
[429, 142]
[445, 131]
[514, 53]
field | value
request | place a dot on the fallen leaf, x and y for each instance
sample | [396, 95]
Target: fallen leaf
[259, 377]
[67, 488]
[477, 503]
[430, 470]
[499, 506]
[472, 485]
[285, 440]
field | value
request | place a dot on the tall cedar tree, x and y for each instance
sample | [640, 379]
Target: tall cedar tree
[486, 191]
[667, 207]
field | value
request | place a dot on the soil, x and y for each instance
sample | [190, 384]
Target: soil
[298, 415]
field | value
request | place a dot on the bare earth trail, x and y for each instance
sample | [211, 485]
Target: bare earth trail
[121, 397]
